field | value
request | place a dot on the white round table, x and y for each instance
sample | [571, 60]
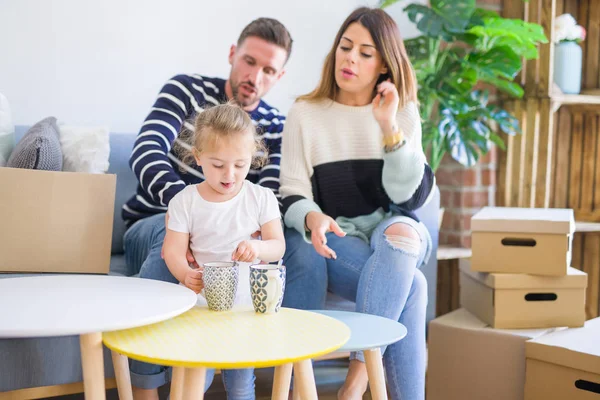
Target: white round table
[87, 305]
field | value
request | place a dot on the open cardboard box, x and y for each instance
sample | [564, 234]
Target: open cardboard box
[56, 221]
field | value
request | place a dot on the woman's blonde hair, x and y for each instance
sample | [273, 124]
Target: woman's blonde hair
[212, 125]
[389, 44]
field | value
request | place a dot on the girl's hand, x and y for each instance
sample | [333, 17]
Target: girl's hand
[193, 280]
[247, 251]
[385, 111]
[319, 224]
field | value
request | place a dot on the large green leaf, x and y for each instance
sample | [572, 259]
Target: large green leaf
[499, 61]
[480, 15]
[387, 3]
[510, 87]
[427, 20]
[456, 13]
[522, 37]
[443, 19]
[417, 48]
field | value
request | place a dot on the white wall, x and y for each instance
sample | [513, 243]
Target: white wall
[102, 62]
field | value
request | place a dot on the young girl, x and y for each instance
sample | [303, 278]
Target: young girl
[218, 217]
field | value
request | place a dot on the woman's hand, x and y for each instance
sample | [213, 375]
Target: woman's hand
[193, 280]
[319, 224]
[247, 251]
[385, 107]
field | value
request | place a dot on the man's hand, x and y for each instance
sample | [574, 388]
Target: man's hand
[319, 224]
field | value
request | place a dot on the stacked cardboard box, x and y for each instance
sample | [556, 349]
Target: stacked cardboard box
[519, 277]
[520, 274]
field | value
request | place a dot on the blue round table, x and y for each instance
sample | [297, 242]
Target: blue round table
[368, 333]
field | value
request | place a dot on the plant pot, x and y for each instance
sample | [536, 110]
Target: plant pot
[568, 58]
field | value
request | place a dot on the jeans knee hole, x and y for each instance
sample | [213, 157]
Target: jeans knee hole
[403, 244]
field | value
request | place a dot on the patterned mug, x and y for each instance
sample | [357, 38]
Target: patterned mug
[220, 284]
[267, 286]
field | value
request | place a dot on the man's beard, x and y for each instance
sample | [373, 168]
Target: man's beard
[244, 102]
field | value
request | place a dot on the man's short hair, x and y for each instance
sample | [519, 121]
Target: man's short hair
[271, 31]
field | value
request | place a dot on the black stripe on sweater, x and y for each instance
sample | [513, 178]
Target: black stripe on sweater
[352, 188]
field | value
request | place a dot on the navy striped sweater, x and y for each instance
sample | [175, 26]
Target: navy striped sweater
[157, 166]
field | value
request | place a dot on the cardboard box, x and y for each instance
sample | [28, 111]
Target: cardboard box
[522, 240]
[468, 360]
[55, 221]
[521, 301]
[565, 365]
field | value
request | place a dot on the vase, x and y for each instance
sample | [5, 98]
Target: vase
[567, 67]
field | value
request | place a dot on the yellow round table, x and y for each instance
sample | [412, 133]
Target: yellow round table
[200, 339]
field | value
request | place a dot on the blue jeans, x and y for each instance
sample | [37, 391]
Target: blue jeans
[143, 243]
[383, 279]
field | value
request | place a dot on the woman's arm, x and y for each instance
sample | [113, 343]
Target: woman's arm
[296, 170]
[405, 170]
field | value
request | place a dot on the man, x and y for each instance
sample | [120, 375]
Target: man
[257, 63]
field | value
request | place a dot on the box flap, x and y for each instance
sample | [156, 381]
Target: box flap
[574, 279]
[577, 348]
[521, 220]
[462, 319]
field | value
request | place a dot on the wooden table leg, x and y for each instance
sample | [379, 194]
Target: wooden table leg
[121, 366]
[92, 363]
[281, 382]
[304, 380]
[193, 387]
[295, 390]
[177, 382]
[375, 372]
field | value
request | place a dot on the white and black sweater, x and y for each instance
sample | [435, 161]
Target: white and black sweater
[333, 161]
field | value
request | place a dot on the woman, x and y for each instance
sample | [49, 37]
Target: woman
[352, 173]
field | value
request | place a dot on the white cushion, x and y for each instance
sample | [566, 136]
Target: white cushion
[85, 149]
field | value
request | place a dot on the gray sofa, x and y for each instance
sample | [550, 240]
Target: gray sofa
[27, 363]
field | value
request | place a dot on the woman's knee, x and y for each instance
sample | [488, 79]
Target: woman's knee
[402, 236]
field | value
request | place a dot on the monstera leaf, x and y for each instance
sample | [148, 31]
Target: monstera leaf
[522, 37]
[442, 18]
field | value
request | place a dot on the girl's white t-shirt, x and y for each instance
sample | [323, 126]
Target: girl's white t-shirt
[216, 229]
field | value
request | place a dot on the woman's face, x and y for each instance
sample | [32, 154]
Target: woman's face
[358, 64]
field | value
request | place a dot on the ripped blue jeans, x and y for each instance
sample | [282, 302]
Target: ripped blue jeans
[383, 278]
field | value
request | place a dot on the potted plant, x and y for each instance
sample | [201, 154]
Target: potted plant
[463, 52]
[568, 54]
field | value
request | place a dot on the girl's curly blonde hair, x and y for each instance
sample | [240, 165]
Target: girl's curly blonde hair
[223, 121]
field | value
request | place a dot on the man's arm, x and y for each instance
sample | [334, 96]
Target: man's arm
[150, 156]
